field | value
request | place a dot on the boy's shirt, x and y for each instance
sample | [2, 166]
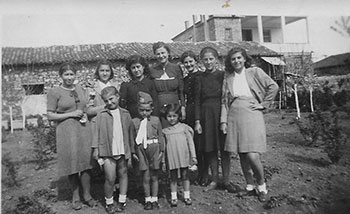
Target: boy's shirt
[154, 130]
[103, 139]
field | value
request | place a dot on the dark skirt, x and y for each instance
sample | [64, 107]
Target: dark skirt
[246, 130]
[211, 139]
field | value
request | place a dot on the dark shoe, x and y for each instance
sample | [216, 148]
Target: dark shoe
[246, 193]
[155, 205]
[77, 205]
[188, 201]
[148, 205]
[262, 196]
[120, 207]
[230, 188]
[110, 208]
[173, 203]
[91, 202]
[211, 186]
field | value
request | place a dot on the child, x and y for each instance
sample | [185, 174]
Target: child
[113, 143]
[150, 148]
[180, 151]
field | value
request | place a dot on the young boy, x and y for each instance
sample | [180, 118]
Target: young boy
[149, 148]
[114, 144]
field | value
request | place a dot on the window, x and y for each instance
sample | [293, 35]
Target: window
[247, 35]
[228, 34]
[33, 88]
[267, 35]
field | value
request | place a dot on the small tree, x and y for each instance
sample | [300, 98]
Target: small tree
[342, 26]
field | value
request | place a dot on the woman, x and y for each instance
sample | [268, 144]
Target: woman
[189, 60]
[140, 81]
[246, 92]
[65, 105]
[104, 77]
[168, 79]
[207, 114]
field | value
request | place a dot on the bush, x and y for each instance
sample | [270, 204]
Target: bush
[323, 129]
[44, 140]
[31, 205]
[10, 169]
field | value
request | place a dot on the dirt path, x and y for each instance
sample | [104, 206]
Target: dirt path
[299, 179]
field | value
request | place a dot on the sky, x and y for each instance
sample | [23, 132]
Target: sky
[36, 23]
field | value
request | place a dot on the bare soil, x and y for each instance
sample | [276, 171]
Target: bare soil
[300, 179]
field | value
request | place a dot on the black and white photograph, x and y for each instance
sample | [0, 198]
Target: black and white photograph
[187, 106]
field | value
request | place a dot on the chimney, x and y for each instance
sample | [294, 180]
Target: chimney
[186, 24]
[194, 28]
[205, 26]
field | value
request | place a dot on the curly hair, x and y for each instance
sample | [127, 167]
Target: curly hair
[158, 45]
[188, 54]
[133, 59]
[173, 107]
[228, 64]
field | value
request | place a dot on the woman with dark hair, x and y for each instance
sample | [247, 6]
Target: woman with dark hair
[65, 105]
[104, 77]
[189, 60]
[208, 88]
[139, 72]
[246, 92]
[168, 79]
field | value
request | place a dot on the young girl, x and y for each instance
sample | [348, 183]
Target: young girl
[180, 151]
[207, 114]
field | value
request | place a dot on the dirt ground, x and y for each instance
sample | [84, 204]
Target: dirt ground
[300, 179]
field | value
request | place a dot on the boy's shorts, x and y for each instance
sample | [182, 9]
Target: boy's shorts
[149, 157]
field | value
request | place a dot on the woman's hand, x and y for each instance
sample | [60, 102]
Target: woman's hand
[95, 153]
[198, 127]
[183, 113]
[135, 157]
[77, 113]
[223, 128]
[256, 106]
[129, 163]
[160, 156]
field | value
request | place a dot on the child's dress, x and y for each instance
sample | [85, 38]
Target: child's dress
[179, 146]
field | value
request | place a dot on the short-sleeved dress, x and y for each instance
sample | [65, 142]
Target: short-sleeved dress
[208, 88]
[73, 138]
[179, 146]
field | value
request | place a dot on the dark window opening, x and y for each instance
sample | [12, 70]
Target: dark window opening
[228, 34]
[247, 35]
[267, 35]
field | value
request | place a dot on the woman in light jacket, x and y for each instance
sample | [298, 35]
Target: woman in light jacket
[246, 92]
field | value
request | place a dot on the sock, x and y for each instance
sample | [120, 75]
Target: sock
[122, 198]
[173, 195]
[262, 188]
[250, 187]
[154, 199]
[186, 194]
[109, 200]
[148, 199]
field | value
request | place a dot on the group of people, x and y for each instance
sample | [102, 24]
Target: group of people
[162, 121]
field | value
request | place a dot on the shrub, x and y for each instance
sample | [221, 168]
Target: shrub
[10, 169]
[31, 205]
[44, 140]
[323, 129]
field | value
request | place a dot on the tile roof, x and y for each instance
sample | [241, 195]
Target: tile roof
[116, 51]
[332, 61]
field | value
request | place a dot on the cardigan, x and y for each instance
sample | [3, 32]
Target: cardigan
[263, 88]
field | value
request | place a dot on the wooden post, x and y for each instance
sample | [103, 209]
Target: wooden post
[311, 100]
[280, 100]
[297, 100]
[11, 120]
[23, 119]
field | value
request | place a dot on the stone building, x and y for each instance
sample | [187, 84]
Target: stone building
[30, 72]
